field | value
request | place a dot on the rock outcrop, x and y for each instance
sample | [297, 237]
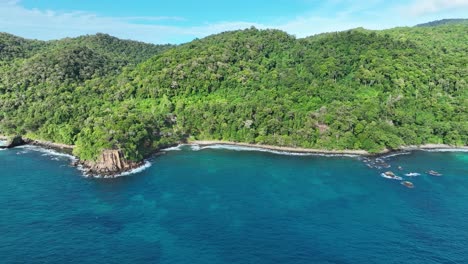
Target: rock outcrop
[110, 163]
[13, 142]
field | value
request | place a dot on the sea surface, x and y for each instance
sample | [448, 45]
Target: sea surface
[214, 205]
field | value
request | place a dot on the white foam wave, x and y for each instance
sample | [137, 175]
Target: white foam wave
[176, 148]
[412, 174]
[195, 147]
[143, 167]
[395, 154]
[278, 152]
[46, 152]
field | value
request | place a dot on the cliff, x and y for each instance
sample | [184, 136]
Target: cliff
[110, 163]
[13, 142]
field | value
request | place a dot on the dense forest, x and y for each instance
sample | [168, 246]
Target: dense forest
[443, 22]
[357, 89]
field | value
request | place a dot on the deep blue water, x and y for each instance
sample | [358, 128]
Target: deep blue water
[224, 206]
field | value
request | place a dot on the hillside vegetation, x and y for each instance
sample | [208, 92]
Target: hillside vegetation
[355, 89]
[443, 22]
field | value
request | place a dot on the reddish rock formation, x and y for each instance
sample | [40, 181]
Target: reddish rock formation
[110, 163]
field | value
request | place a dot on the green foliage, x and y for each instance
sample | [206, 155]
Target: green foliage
[356, 89]
[444, 22]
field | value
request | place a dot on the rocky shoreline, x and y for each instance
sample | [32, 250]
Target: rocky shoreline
[51, 145]
[112, 162]
[12, 142]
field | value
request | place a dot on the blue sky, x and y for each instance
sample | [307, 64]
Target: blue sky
[178, 21]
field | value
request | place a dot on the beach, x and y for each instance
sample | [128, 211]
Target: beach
[277, 148]
[323, 151]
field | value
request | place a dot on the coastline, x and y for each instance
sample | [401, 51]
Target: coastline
[432, 146]
[49, 144]
[122, 168]
[325, 151]
[278, 148]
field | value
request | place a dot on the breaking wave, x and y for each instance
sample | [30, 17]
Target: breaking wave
[45, 152]
[143, 167]
[395, 154]
[195, 147]
[176, 148]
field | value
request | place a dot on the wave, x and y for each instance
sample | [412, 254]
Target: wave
[46, 152]
[195, 147]
[278, 152]
[412, 174]
[176, 148]
[141, 168]
[395, 154]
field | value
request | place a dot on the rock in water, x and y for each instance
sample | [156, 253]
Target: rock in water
[110, 163]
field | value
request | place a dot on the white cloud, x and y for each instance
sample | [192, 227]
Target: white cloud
[153, 18]
[50, 24]
[423, 7]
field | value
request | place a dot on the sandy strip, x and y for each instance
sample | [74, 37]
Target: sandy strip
[277, 148]
[323, 151]
[433, 146]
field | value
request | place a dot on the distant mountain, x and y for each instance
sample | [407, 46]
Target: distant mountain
[443, 22]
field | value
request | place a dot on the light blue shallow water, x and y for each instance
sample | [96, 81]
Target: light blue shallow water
[221, 206]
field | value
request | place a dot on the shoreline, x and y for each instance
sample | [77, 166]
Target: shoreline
[432, 146]
[324, 151]
[83, 166]
[49, 144]
[278, 148]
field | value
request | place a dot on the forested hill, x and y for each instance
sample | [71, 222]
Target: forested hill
[444, 22]
[355, 89]
[28, 63]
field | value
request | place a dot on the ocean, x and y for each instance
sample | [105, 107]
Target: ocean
[236, 205]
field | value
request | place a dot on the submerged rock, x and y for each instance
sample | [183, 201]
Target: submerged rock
[408, 184]
[109, 164]
[434, 173]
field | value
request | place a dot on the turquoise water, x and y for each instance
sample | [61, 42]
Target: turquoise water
[225, 206]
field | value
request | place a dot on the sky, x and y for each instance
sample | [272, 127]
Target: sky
[179, 21]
